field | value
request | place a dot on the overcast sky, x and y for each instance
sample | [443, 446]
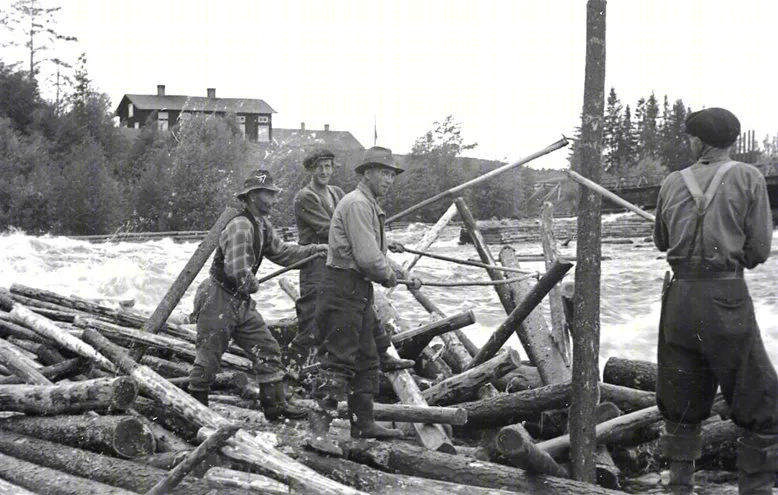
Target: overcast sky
[511, 72]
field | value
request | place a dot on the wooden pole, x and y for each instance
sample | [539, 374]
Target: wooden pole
[604, 192]
[285, 269]
[466, 262]
[454, 190]
[185, 278]
[586, 336]
[559, 334]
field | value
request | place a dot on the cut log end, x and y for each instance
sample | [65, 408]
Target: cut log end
[125, 392]
[133, 439]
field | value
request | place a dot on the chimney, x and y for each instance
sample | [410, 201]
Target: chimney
[211, 92]
[302, 126]
[160, 90]
[326, 127]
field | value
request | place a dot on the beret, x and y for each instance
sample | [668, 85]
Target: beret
[714, 126]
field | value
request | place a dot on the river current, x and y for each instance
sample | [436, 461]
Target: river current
[629, 305]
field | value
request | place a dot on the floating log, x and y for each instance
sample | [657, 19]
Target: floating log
[50, 481]
[102, 393]
[214, 441]
[464, 386]
[129, 475]
[54, 372]
[415, 461]
[220, 478]
[47, 329]
[119, 436]
[243, 446]
[519, 448]
[21, 365]
[631, 373]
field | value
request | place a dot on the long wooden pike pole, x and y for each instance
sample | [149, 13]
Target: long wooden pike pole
[285, 269]
[185, 278]
[604, 192]
[466, 262]
[454, 190]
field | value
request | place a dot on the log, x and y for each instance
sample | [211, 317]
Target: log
[434, 329]
[118, 436]
[176, 431]
[8, 328]
[247, 417]
[54, 372]
[166, 367]
[631, 373]
[512, 324]
[528, 403]
[464, 386]
[20, 365]
[126, 474]
[49, 330]
[524, 377]
[102, 393]
[432, 436]
[519, 448]
[164, 460]
[214, 441]
[220, 478]
[415, 461]
[242, 446]
[405, 413]
[50, 481]
[559, 330]
[186, 277]
[289, 289]
[7, 488]
[46, 354]
[229, 380]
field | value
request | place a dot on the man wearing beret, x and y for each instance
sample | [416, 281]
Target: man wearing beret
[224, 307]
[713, 219]
[314, 205]
[344, 306]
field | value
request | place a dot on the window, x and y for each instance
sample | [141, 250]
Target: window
[130, 110]
[263, 119]
[162, 122]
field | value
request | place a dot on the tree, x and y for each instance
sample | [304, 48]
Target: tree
[648, 139]
[37, 27]
[19, 98]
[675, 151]
[612, 133]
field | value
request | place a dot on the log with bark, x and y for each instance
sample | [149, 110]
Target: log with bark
[55, 372]
[405, 413]
[126, 474]
[631, 373]
[220, 478]
[410, 342]
[119, 436]
[416, 461]
[242, 446]
[49, 330]
[41, 479]
[21, 366]
[45, 353]
[524, 377]
[560, 335]
[7, 488]
[102, 393]
[464, 386]
[516, 445]
[9, 328]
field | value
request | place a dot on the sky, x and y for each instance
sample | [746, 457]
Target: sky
[511, 72]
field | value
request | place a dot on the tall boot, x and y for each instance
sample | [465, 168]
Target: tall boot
[274, 404]
[681, 444]
[363, 425]
[201, 395]
[757, 462]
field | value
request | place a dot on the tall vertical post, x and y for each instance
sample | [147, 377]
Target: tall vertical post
[586, 334]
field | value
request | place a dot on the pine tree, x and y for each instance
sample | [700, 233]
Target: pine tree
[612, 133]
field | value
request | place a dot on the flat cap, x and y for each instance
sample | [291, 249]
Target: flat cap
[714, 126]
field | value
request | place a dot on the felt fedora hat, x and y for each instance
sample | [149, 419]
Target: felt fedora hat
[260, 179]
[377, 156]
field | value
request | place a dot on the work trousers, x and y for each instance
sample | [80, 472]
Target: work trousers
[708, 336]
[308, 335]
[222, 316]
[353, 336]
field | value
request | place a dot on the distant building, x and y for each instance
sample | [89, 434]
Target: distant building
[312, 138]
[164, 111]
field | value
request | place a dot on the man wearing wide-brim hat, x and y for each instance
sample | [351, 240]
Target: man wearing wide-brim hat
[713, 219]
[224, 308]
[344, 307]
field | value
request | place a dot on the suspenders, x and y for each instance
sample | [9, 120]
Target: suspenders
[702, 201]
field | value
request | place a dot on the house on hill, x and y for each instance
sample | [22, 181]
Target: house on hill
[164, 111]
[312, 138]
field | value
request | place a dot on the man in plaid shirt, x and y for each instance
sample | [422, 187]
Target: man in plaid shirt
[224, 308]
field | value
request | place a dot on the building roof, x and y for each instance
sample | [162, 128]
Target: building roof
[199, 104]
[337, 140]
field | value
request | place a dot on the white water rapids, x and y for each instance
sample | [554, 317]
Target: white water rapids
[630, 284]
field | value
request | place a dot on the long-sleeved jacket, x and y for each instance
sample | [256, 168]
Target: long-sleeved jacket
[313, 214]
[737, 228]
[357, 240]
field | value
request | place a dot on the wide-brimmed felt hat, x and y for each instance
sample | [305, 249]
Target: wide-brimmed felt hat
[316, 155]
[260, 179]
[714, 126]
[377, 156]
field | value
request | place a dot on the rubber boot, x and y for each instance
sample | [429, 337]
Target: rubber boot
[391, 363]
[362, 423]
[681, 444]
[757, 462]
[200, 395]
[274, 403]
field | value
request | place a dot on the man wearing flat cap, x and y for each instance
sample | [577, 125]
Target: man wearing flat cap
[713, 219]
[223, 305]
[344, 308]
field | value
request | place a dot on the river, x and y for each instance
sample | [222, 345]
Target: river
[629, 304]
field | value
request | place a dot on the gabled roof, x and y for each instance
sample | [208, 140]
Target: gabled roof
[337, 140]
[199, 104]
